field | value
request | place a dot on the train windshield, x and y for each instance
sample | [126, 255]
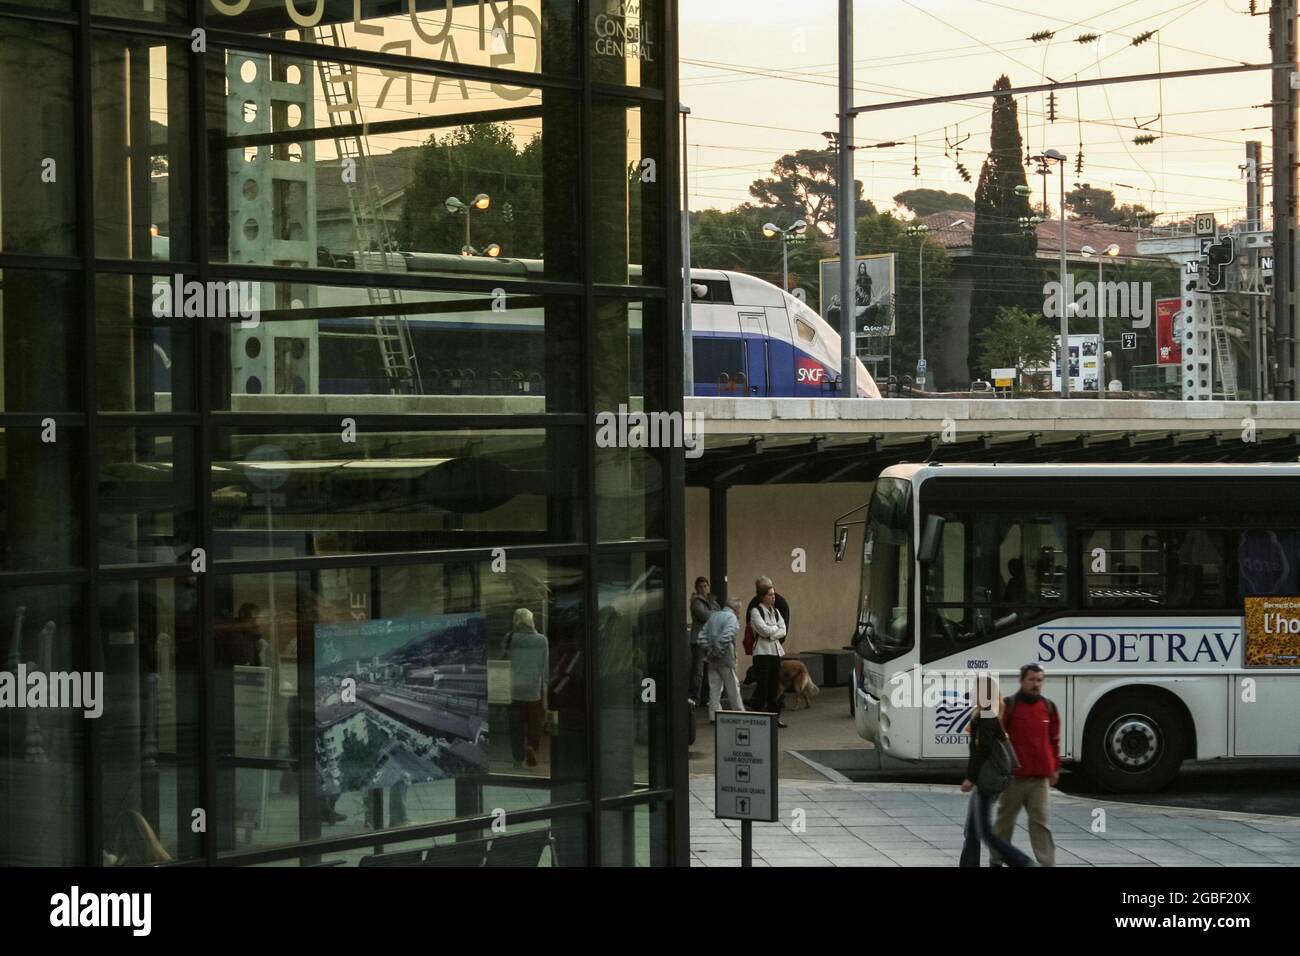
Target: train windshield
[884, 611]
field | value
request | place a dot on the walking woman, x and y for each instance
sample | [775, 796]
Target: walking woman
[769, 632]
[986, 732]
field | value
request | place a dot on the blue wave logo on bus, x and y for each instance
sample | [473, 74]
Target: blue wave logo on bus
[953, 713]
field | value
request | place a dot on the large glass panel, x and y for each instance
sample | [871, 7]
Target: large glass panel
[546, 843]
[437, 691]
[627, 42]
[632, 673]
[38, 173]
[321, 163]
[635, 836]
[630, 165]
[149, 735]
[146, 495]
[280, 493]
[532, 36]
[141, 138]
[630, 491]
[40, 332]
[40, 497]
[404, 350]
[144, 358]
[42, 743]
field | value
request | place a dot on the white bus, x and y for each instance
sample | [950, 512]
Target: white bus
[1161, 600]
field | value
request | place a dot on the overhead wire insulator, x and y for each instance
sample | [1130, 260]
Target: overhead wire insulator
[1078, 162]
[1146, 139]
[1087, 37]
[963, 172]
[1041, 36]
[1051, 107]
[1142, 38]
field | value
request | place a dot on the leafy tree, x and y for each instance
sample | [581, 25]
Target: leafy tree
[1007, 274]
[1016, 339]
[924, 202]
[1099, 204]
[734, 240]
[483, 158]
[804, 185]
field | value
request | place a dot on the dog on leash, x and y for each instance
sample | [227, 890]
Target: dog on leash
[794, 676]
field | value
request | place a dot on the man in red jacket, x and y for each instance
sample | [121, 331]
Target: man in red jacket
[1034, 727]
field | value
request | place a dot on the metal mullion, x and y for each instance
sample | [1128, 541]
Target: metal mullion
[631, 291]
[146, 267]
[393, 559]
[429, 282]
[587, 349]
[420, 66]
[134, 572]
[65, 419]
[23, 260]
[391, 421]
[92, 795]
[39, 16]
[149, 419]
[20, 579]
[623, 91]
[146, 28]
[400, 835]
[627, 801]
[202, 385]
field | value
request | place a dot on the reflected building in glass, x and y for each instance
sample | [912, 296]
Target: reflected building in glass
[307, 310]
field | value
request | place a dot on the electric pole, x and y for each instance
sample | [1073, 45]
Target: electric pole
[1258, 374]
[1282, 42]
[847, 210]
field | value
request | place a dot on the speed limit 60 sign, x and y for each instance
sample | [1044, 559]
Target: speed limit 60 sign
[1204, 223]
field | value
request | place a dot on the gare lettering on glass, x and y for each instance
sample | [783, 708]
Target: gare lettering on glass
[496, 32]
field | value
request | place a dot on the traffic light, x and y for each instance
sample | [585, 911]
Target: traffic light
[1218, 256]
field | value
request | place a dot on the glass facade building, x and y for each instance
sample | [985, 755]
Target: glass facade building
[307, 312]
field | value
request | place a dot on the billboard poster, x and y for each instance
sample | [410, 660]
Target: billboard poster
[1272, 632]
[1168, 351]
[399, 702]
[875, 294]
[1084, 363]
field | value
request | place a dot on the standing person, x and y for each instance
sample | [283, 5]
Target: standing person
[761, 585]
[720, 633]
[1034, 727]
[703, 606]
[530, 669]
[985, 732]
[769, 631]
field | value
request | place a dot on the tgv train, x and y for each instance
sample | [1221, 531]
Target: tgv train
[749, 338]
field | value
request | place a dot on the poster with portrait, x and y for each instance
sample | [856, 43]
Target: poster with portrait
[1084, 363]
[874, 289]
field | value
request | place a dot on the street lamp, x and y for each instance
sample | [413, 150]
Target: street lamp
[1063, 350]
[920, 229]
[1088, 252]
[792, 231]
[458, 208]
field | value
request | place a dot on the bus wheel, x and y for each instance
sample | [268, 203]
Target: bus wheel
[1134, 744]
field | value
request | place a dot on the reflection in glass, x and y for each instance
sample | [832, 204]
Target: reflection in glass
[627, 42]
[148, 744]
[634, 836]
[40, 326]
[141, 140]
[41, 748]
[143, 362]
[441, 352]
[283, 494]
[38, 173]
[341, 166]
[632, 675]
[146, 495]
[421, 680]
[627, 192]
[40, 499]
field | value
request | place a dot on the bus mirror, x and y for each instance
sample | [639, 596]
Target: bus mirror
[841, 542]
[931, 536]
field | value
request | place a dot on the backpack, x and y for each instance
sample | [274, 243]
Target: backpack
[749, 638]
[1009, 704]
[999, 768]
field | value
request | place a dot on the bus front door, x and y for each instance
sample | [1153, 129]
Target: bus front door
[753, 331]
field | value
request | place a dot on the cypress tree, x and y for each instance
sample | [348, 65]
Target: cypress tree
[1006, 272]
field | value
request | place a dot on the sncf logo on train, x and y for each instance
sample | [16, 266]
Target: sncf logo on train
[1193, 646]
[809, 371]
